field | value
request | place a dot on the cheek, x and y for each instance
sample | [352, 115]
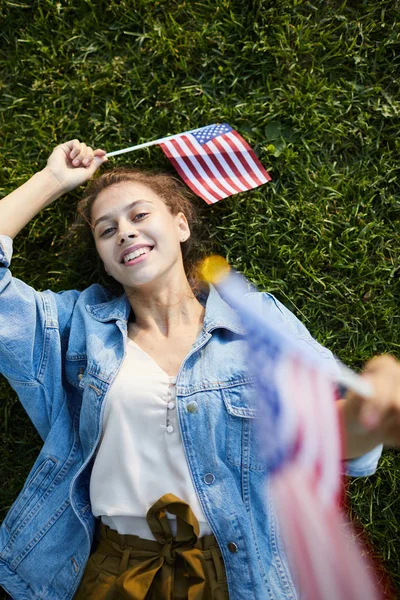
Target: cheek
[102, 253]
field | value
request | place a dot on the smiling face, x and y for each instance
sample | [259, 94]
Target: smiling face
[136, 235]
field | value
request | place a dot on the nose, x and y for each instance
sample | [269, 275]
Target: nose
[126, 233]
[122, 237]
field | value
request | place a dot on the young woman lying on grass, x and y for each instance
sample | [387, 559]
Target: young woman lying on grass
[144, 404]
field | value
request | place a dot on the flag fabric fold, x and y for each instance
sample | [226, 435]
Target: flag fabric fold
[215, 162]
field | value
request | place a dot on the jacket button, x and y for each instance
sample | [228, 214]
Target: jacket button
[192, 406]
[232, 547]
[209, 478]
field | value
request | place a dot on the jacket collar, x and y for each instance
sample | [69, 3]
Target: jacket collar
[218, 313]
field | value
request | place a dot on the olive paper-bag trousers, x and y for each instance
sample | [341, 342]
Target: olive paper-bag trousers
[184, 567]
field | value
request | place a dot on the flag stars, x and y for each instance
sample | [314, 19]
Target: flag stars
[208, 133]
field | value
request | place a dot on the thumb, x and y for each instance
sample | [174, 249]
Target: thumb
[96, 163]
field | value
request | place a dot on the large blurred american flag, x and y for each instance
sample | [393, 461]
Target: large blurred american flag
[300, 442]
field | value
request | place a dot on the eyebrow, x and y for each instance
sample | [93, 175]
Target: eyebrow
[127, 208]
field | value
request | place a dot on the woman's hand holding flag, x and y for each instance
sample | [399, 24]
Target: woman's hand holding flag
[374, 420]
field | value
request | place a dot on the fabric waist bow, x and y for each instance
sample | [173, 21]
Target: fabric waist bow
[154, 576]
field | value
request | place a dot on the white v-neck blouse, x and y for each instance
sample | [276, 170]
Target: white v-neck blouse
[140, 456]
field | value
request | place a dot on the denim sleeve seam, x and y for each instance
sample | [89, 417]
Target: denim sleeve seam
[275, 301]
[305, 335]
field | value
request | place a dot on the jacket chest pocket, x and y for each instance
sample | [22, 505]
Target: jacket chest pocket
[243, 435]
[75, 372]
[82, 376]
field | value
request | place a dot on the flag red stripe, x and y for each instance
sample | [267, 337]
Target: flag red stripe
[193, 169]
[299, 551]
[188, 182]
[240, 155]
[207, 169]
[218, 160]
[231, 163]
[316, 418]
[252, 154]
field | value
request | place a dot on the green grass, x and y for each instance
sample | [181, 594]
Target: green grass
[312, 86]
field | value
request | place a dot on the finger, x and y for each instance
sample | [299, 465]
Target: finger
[95, 164]
[389, 428]
[373, 409]
[384, 374]
[82, 154]
[383, 362]
[89, 157]
[100, 152]
[74, 146]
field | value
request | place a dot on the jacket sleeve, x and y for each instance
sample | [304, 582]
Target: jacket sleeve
[361, 466]
[33, 330]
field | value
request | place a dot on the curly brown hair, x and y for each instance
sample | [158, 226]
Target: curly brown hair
[175, 195]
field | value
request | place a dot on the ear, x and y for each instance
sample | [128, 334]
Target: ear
[183, 227]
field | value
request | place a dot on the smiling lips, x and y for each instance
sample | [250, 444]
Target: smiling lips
[132, 256]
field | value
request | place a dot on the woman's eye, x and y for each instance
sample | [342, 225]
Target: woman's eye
[139, 216]
[107, 231]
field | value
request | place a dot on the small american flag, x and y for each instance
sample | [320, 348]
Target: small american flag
[299, 442]
[215, 162]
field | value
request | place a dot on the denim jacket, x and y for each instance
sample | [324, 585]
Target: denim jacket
[60, 352]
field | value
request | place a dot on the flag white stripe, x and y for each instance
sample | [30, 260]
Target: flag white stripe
[237, 162]
[318, 548]
[307, 418]
[188, 172]
[328, 430]
[198, 167]
[289, 421]
[317, 420]
[217, 153]
[310, 549]
[247, 156]
[224, 180]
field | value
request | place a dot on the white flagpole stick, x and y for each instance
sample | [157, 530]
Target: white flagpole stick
[146, 144]
[354, 382]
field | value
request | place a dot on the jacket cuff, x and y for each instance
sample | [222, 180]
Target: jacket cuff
[364, 465]
[6, 250]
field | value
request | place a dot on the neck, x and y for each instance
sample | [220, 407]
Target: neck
[166, 310]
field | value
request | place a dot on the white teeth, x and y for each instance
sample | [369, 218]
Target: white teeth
[136, 253]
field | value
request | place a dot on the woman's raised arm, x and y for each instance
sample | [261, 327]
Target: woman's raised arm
[70, 164]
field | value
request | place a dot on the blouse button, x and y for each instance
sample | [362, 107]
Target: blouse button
[171, 405]
[170, 429]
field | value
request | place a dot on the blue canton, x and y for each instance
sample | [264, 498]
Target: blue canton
[265, 351]
[205, 134]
